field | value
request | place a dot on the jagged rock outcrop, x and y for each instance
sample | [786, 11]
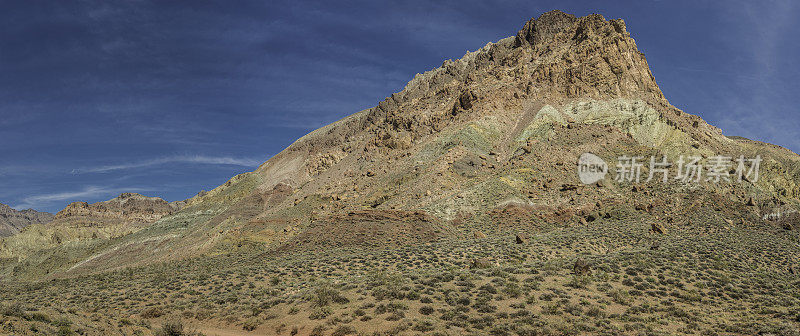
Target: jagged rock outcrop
[12, 221]
[586, 57]
[128, 206]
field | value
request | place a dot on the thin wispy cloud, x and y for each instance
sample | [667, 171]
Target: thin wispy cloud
[757, 107]
[89, 192]
[198, 159]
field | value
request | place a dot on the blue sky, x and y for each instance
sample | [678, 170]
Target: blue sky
[167, 98]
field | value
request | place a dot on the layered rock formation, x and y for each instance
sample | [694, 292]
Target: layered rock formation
[12, 221]
[560, 76]
[501, 126]
[127, 206]
[82, 222]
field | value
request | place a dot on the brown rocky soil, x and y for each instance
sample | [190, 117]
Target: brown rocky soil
[370, 229]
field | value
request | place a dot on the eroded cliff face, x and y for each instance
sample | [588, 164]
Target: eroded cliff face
[12, 221]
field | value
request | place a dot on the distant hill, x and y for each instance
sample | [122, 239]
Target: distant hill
[12, 221]
[81, 221]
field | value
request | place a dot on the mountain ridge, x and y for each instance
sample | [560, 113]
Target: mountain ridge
[13, 221]
[473, 120]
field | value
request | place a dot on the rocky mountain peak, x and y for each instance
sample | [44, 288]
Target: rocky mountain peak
[128, 195]
[545, 27]
[588, 56]
[555, 59]
[557, 25]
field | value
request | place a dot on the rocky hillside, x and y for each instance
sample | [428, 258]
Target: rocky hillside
[127, 206]
[82, 223]
[12, 221]
[454, 207]
[502, 126]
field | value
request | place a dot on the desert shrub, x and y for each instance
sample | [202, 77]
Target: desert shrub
[386, 286]
[343, 330]
[485, 308]
[251, 324]
[396, 316]
[320, 313]
[171, 329]
[40, 317]
[12, 310]
[426, 310]
[318, 331]
[579, 281]
[547, 296]
[412, 295]
[573, 309]
[64, 331]
[620, 296]
[463, 301]
[64, 327]
[326, 294]
[550, 309]
[595, 311]
[423, 326]
[512, 289]
[488, 288]
[501, 330]
[380, 309]
[152, 312]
